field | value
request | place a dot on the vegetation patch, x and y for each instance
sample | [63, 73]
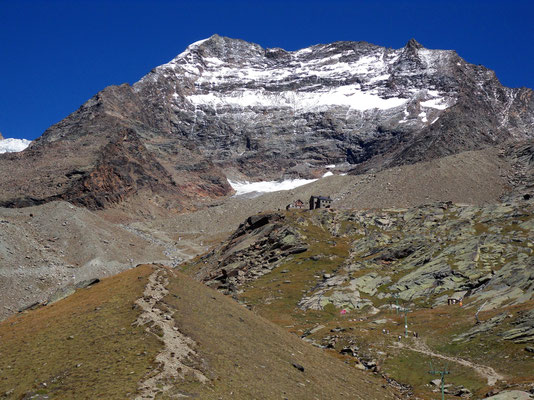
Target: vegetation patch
[84, 346]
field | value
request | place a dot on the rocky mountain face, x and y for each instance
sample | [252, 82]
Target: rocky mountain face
[346, 102]
[229, 108]
[97, 157]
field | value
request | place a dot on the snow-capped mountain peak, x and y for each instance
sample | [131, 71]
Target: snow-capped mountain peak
[354, 76]
[342, 99]
[228, 108]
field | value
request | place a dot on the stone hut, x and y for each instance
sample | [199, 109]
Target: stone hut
[320, 202]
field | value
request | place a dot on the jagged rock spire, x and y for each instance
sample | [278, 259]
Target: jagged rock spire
[414, 44]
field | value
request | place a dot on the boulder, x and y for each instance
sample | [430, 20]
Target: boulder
[512, 395]
[61, 294]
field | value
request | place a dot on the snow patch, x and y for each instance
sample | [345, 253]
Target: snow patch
[213, 60]
[432, 58]
[13, 145]
[197, 43]
[422, 115]
[372, 68]
[438, 103]
[349, 96]
[329, 173]
[404, 119]
[379, 78]
[304, 51]
[267, 186]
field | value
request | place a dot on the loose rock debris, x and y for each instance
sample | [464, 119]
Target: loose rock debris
[179, 349]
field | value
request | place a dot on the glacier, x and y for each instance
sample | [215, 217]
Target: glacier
[246, 187]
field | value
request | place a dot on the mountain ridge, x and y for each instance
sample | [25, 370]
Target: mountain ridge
[226, 108]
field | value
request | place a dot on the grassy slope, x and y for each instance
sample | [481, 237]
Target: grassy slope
[83, 347]
[276, 295]
[248, 357]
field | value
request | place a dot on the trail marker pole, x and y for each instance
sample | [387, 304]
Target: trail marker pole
[406, 311]
[442, 376]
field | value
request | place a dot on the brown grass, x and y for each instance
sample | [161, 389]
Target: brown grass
[248, 357]
[83, 347]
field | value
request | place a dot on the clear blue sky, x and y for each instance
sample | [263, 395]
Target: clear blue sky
[56, 54]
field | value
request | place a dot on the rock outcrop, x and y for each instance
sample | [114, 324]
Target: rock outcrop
[426, 254]
[258, 246]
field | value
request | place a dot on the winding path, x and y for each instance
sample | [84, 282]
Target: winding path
[178, 347]
[486, 372]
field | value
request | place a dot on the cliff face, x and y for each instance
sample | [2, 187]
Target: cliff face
[226, 107]
[102, 154]
[345, 102]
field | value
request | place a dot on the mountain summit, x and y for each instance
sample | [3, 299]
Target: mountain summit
[229, 108]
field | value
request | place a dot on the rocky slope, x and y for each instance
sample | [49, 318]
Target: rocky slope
[521, 157]
[229, 108]
[301, 268]
[422, 254]
[257, 247]
[101, 159]
[58, 244]
[46, 251]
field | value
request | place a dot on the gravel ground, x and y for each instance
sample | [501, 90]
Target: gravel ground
[56, 245]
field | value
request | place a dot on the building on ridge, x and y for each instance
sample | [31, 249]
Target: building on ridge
[320, 202]
[296, 204]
